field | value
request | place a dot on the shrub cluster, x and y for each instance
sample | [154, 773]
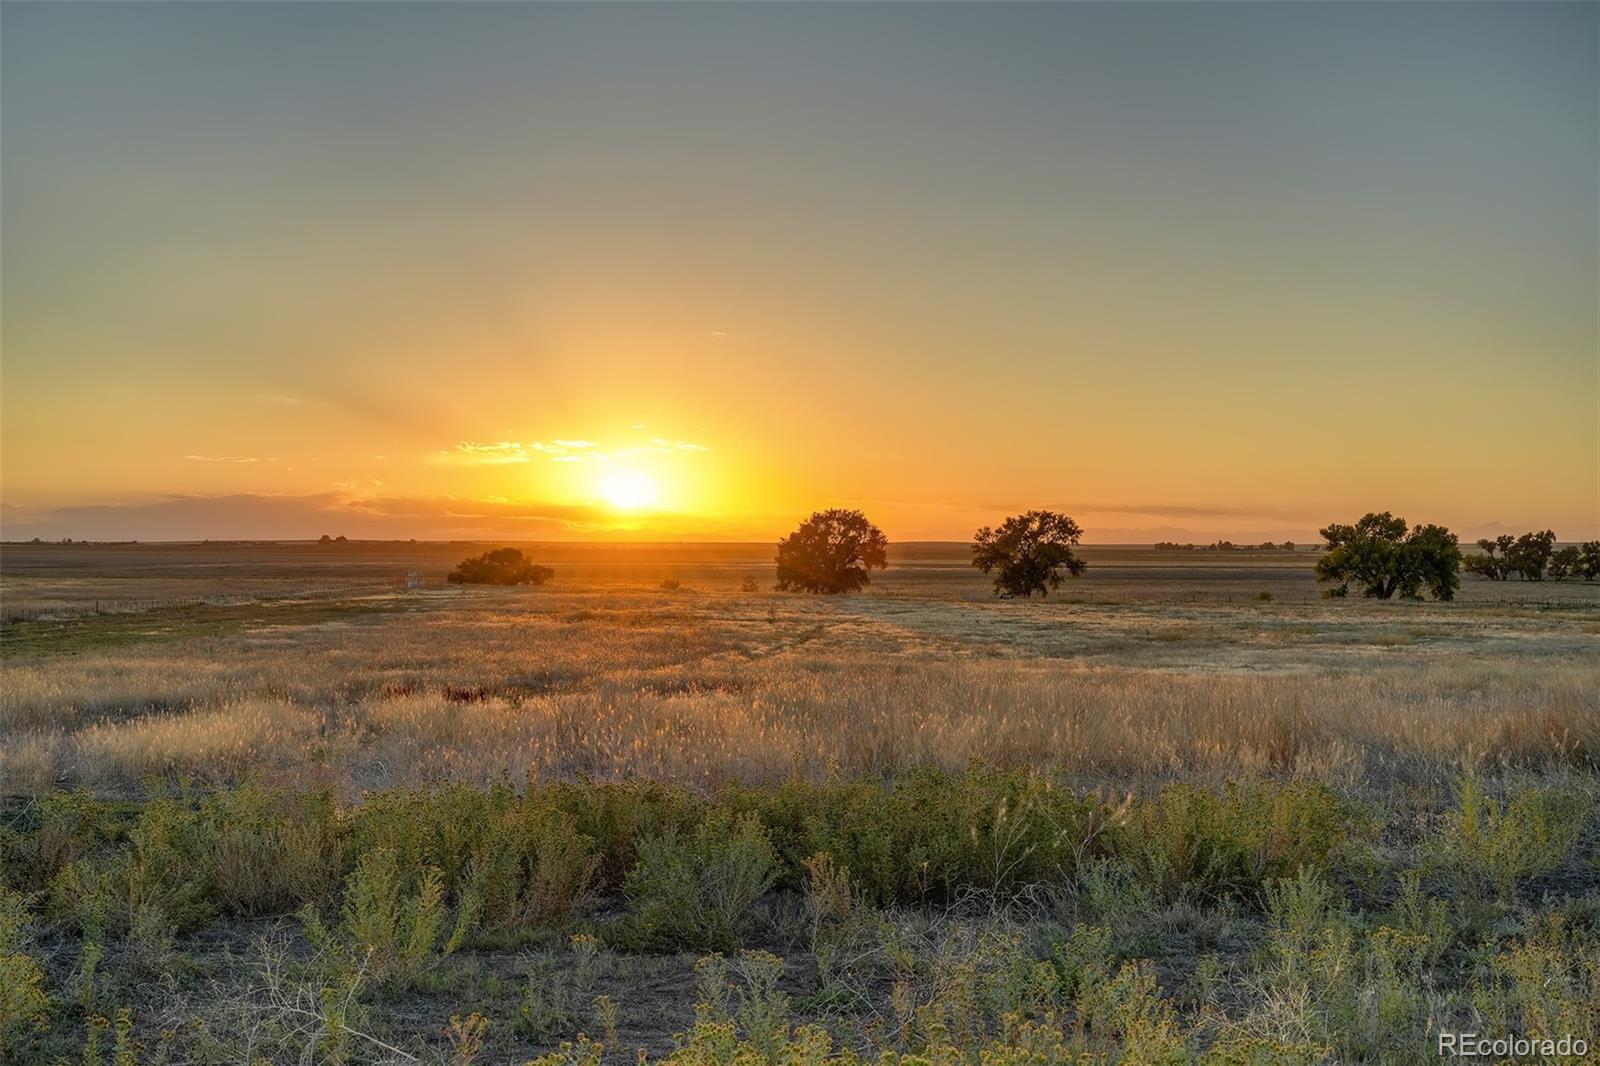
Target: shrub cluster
[1344, 964]
[689, 868]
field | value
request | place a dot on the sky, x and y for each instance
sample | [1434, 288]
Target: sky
[674, 271]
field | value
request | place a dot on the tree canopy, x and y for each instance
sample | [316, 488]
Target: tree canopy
[1384, 559]
[1493, 561]
[831, 552]
[502, 566]
[1028, 552]
[1530, 555]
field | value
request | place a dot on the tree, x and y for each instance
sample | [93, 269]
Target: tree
[831, 552]
[1589, 560]
[1378, 554]
[1529, 556]
[1029, 551]
[502, 566]
[1487, 563]
[1565, 562]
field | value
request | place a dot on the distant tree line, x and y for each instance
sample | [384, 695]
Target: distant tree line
[1533, 557]
[1385, 559]
[1224, 546]
[1381, 555]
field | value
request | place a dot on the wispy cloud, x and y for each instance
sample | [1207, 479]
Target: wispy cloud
[564, 450]
[493, 452]
[228, 459]
[347, 510]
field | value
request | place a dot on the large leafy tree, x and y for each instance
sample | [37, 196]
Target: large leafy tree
[831, 552]
[1588, 560]
[1028, 553]
[503, 566]
[1530, 555]
[1385, 560]
[1566, 562]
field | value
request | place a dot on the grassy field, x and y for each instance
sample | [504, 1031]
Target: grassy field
[273, 805]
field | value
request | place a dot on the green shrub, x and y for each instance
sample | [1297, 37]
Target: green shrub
[531, 867]
[557, 987]
[1545, 985]
[763, 1010]
[391, 932]
[47, 836]
[1189, 839]
[272, 852]
[23, 1001]
[616, 816]
[932, 834]
[1487, 846]
[696, 888]
[165, 873]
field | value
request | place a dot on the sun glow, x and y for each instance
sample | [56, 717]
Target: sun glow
[627, 490]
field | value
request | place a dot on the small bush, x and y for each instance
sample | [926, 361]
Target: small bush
[502, 566]
[933, 834]
[1488, 846]
[168, 868]
[23, 1003]
[1190, 839]
[696, 889]
[272, 854]
[392, 932]
[531, 866]
[64, 827]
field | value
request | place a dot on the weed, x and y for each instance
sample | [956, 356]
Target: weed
[465, 1037]
[605, 1012]
[763, 1010]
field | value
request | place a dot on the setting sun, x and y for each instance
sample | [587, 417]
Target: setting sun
[627, 489]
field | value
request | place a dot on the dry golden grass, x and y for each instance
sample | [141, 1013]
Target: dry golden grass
[709, 686]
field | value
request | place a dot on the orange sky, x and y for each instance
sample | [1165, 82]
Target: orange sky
[413, 270]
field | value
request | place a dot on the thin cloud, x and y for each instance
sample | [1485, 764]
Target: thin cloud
[494, 452]
[260, 516]
[228, 459]
[564, 450]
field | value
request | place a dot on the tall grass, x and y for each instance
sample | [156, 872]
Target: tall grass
[631, 685]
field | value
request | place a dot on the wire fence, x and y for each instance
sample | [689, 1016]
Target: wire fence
[61, 611]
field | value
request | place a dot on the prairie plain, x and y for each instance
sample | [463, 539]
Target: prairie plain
[1184, 809]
